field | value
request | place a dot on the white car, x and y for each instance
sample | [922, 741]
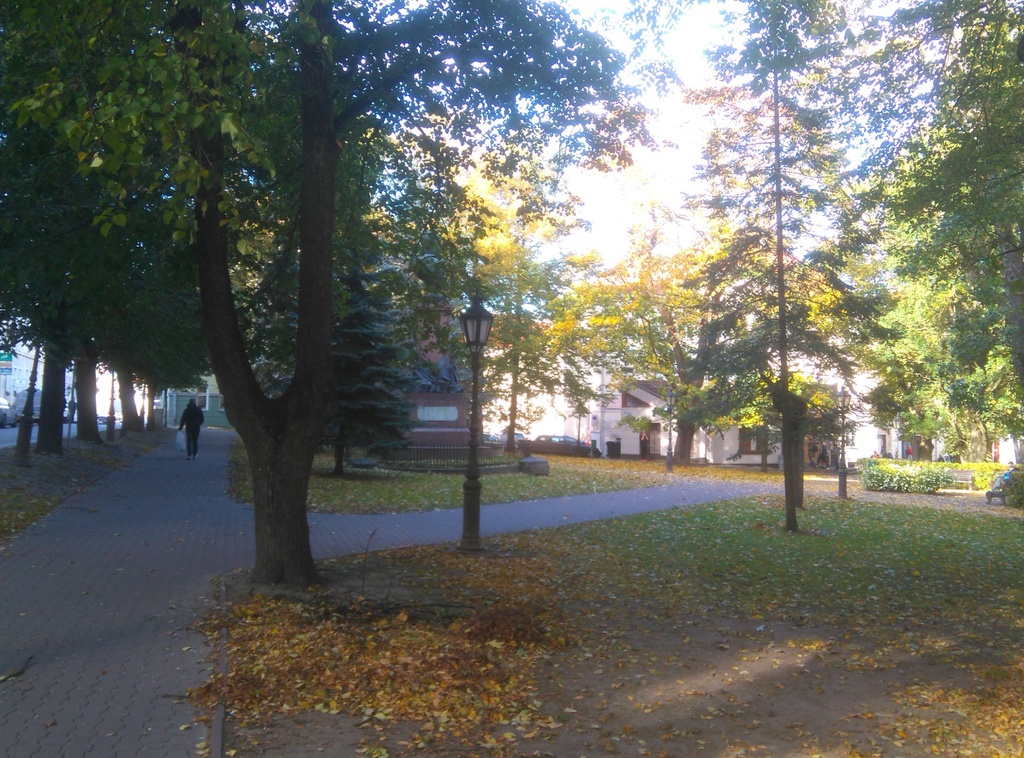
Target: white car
[7, 414]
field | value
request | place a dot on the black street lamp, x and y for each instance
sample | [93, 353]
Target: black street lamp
[843, 398]
[476, 327]
[111, 418]
[671, 399]
[24, 442]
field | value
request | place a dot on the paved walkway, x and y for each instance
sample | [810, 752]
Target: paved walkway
[98, 599]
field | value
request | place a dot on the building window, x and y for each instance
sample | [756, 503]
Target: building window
[750, 441]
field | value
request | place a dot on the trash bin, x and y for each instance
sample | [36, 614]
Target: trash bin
[614, 448]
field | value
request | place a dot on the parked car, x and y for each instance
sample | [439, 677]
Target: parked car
[7, 415]
[503, 438]
[19, 405]
[558, 444]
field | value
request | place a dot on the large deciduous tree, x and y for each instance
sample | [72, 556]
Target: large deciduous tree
[81, 288]
[943, 82]
[524, 280]
[196, 85]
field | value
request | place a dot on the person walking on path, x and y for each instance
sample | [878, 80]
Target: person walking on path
[191, 419]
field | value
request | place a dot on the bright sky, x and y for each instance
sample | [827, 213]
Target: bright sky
[615, 202]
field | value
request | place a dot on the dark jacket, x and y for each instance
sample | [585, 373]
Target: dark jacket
[192, 417]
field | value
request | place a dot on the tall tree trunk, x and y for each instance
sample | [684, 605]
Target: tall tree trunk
[1013, 285]
[684, 442]
[151, 410]
[927, 449]
[281, 434]
[793, 410]
[50, 434]
[130, 421]
[280, 481]
[979, 445]
[513, 409]
[785, 401]
[85, 400]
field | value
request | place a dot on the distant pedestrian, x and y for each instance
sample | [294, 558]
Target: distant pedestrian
[191, 419]
[645, 446]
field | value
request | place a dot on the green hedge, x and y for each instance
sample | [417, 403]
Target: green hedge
[984, 473]
[905, 476]
[913, 476]
[1014, 490]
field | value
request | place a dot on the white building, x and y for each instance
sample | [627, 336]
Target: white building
[606, 424]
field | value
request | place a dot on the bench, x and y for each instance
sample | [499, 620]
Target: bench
[963, 476]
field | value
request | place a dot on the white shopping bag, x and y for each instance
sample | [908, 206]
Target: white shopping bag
[179, 441]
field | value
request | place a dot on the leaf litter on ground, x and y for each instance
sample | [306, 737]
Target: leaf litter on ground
[611, 610]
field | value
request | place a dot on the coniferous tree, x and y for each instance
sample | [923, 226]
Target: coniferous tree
[370, 374]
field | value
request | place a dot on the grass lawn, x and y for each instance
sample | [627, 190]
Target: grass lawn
[879, 630]
[383, 491]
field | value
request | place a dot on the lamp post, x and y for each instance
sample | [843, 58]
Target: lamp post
[111, 418]
[844, 403]
[669, 454]
[476, 327]
[24, 441]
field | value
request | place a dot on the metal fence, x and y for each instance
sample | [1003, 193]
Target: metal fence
[453, 458]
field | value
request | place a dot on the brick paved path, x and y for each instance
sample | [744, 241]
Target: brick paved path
[97, 600]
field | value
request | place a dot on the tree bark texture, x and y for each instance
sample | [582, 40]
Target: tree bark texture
[150, 408]
[280, 480]
[684, 442]
[50, 434]
[130, 420]
[513, 409]
[88, 428]
[793, 410]
[1013, 284]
